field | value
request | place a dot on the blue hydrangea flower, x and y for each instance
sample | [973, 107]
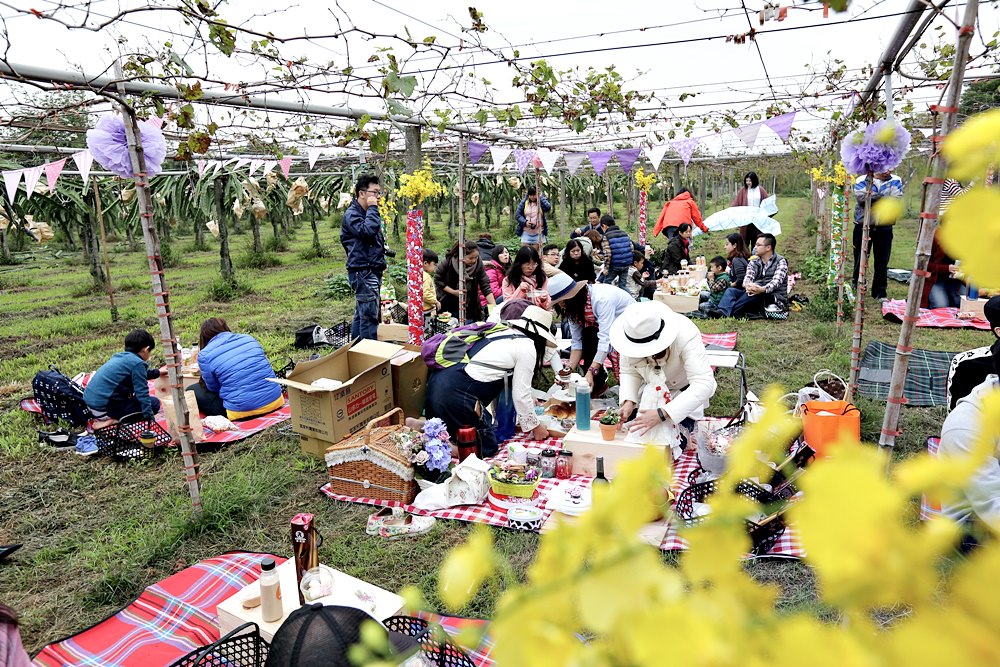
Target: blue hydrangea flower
[435, 429]
[440, 455]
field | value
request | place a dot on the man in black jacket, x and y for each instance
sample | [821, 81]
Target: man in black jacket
[361, 236]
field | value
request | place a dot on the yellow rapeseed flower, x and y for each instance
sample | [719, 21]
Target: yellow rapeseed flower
[973, 147]
[971, 233]
[466, 568]
[887, 211]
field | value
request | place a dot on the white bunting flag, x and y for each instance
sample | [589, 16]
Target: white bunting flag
[52, 171]
[11, 179]
[269, 166]
[655, 155]
[216, 166]
[499, 156]
[31, 177]
[84, 160]
[573, 161]
[254, 166]
[314, 154]
[548, 158]
[747, 133]
[201, 167]
[239, 163]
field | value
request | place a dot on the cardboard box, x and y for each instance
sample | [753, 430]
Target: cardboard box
[363, 369]
[347, 591]
[588, 445]
[677, 302]
[394, 333]
[409, 380]
[314, 446]
[975, 306]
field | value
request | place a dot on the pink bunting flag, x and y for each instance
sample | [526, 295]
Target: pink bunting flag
[782, 125]
[573, 161]
[747, 133]
[155, 121]
[286, 165]
[627, 157]
[12, 179]
[685, 148]
[476, 151]
[52, 171]
[31, 178]
[522, 158]
[201, 167]
[599, 160]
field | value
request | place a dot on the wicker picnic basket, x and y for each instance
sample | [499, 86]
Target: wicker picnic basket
[369, 465]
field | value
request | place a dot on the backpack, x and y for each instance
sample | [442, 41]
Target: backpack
[60, 398]
[447, 349]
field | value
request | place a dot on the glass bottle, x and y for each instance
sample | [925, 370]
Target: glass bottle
[583, 405]
[548, 463]
[564, 465]
[600, 479]
[271, 609]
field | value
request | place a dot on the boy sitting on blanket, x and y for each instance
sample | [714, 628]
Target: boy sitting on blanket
[119, 387]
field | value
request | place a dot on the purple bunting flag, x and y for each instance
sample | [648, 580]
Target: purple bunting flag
[522, 158]
[599, 160]
[685, 148]
[573, 161]
[782, 124]
[627, 157]
[476, 151]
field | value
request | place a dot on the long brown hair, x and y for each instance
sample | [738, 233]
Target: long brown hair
[7, 615]
[741, 247]
[211, 328]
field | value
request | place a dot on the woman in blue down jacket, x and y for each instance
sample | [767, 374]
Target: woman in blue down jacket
[234, 372]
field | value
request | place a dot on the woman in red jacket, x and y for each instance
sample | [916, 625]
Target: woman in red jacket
[676, 212]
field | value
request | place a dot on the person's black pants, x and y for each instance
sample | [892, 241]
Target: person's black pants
[209, 403]
[879, 249]
[453, 397]
[119, 406]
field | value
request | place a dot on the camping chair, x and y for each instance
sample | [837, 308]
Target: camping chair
[730, 359]
[241, 647]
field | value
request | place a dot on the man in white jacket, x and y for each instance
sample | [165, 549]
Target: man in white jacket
[663, 364]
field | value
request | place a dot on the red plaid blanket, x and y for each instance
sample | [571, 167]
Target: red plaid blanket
[167, 621]
[726, 341]
[248, 427]
[941, 318]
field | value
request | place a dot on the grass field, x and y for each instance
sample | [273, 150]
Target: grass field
[96, 533]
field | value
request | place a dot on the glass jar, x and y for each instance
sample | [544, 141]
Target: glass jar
[533, 460]
[564, 465]
[548, 463]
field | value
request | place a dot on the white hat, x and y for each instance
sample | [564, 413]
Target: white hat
[561, 286]
[537, 321]
[644, 329]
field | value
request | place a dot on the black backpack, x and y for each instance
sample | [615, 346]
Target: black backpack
[60, 398]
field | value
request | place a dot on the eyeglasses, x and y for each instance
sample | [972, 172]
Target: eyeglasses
[377, 193]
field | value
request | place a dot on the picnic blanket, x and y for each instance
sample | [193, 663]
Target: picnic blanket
[247, 427]
[722, 341]
[926, 376]
[168, 619]
[787, 546]
[177, 615]
[941, 318]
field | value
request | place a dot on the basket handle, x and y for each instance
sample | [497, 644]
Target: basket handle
[826, 372]
[393, 416]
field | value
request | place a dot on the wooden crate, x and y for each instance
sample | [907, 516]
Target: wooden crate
[588, 445]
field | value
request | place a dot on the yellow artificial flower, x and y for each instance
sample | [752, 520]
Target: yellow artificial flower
[971, 233]
[973, 147]
[644, 182]
[420, 185]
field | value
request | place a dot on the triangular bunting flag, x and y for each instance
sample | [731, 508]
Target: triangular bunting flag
[548, 158]
[573, 161]
[685, 148]
[655, 155]
[11, 179]
[83, 160]
[627, 157]
[476, 151]
[286, 165]
[599, 160]
[31, 177]
[782, 124]
[216, 166]
[240, 163]
[522, 158]
[52, 171]
[314, 154]
[254, 166]
[155, 121]
[499, 155]
[201, 167]
[269, 165]
[747, 133]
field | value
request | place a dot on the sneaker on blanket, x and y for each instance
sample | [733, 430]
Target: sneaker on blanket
[86, 445]
[376, 520]
[408, 526]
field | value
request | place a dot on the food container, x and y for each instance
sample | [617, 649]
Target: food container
[548, 463]
[525, 518]
[564, 465]
[316, 583]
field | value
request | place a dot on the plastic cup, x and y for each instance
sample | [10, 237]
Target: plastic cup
[316, 583]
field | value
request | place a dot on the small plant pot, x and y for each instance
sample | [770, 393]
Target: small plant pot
[608, 431]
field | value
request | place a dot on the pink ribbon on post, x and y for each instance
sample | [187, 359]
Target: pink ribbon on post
[415, 275]
[643, 200]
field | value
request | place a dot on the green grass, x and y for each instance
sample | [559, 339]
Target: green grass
[96, 533]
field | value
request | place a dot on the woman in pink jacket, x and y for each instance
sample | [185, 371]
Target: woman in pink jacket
[526, 279]
[496, 269]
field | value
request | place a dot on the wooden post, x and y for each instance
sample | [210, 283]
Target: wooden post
[929, 221]
[562, 204]
[161, 296]
[701, 189]
[859, 298]
[676, 180]
[461, 230]
[104, 251]
[611, 197]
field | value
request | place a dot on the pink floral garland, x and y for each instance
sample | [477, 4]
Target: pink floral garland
[415, 275]
[643, 197]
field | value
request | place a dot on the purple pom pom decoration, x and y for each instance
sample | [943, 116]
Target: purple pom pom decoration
[108, 145]
[878, 148]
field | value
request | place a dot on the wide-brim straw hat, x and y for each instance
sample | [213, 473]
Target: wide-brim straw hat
[644, 329]
[537, 321]
[561, 287]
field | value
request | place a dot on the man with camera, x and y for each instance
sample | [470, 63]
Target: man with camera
[362, 238]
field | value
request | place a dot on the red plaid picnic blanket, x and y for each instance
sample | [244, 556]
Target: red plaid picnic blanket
[941, 318]
[168, 620]
[248, 427]
[930, 510]
[727, 341]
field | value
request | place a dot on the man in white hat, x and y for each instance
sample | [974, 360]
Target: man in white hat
[664, 367]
